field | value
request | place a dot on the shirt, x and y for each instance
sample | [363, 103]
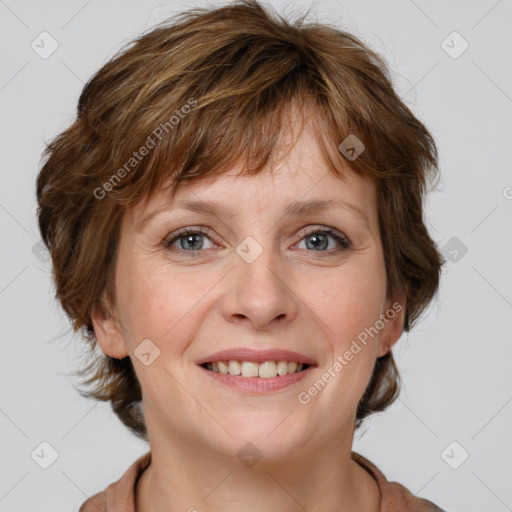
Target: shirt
[120, 496]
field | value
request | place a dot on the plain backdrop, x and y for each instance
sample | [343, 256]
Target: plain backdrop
[448, 437]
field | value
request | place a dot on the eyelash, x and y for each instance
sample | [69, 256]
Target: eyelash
[343, 241]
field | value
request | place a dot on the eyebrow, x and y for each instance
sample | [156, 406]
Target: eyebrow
[294, 209]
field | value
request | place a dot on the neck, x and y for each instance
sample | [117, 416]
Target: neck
[182, 477]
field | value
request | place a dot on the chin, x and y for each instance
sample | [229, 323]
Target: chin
[265, 433]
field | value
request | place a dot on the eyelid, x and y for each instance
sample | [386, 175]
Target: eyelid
[314, 228]
[204, 230]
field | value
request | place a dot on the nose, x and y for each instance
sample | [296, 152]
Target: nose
[260, 294]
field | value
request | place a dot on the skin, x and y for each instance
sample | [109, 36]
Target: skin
[293, 296]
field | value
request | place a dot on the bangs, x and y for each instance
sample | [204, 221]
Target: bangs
[207, 131]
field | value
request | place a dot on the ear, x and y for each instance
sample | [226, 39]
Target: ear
[108, 331]
[393, 318]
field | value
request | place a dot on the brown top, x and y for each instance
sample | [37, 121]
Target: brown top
[120, 496]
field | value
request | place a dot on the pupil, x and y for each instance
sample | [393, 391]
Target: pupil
[191, 239]
[318, 242]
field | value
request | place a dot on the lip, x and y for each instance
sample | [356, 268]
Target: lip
[257, 356]
[258, 385]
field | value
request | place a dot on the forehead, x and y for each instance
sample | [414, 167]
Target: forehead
[300, 174]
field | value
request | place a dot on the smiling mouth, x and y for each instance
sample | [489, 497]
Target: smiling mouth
[265, 370]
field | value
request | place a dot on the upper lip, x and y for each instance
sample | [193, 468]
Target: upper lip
[257, 356]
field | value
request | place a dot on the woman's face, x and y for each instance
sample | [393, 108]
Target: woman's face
[255, 279]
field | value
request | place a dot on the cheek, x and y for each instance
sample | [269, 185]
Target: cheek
[163, 304]
[347, 301]
[348, 306]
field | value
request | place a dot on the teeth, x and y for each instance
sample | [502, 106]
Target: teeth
[265, 370]
[249, 369]
[282, 368]
[234, 368]
[223, 367]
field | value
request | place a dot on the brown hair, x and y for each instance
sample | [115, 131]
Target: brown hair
[208, 88]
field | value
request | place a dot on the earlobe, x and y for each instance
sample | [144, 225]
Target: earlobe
[394, 323]
[108, 333]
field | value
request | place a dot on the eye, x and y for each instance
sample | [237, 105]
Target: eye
[189, 240]
[317, 240]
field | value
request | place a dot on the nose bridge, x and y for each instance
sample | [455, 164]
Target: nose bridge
[258, 262]
[258, 290]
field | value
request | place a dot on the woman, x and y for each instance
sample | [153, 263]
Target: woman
[235, 220]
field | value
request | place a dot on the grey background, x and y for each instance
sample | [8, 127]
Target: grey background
[455, 364]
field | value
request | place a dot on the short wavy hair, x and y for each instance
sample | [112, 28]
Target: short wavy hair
[203, 91]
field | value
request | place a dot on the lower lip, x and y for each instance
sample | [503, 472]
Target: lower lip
[258, 384]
